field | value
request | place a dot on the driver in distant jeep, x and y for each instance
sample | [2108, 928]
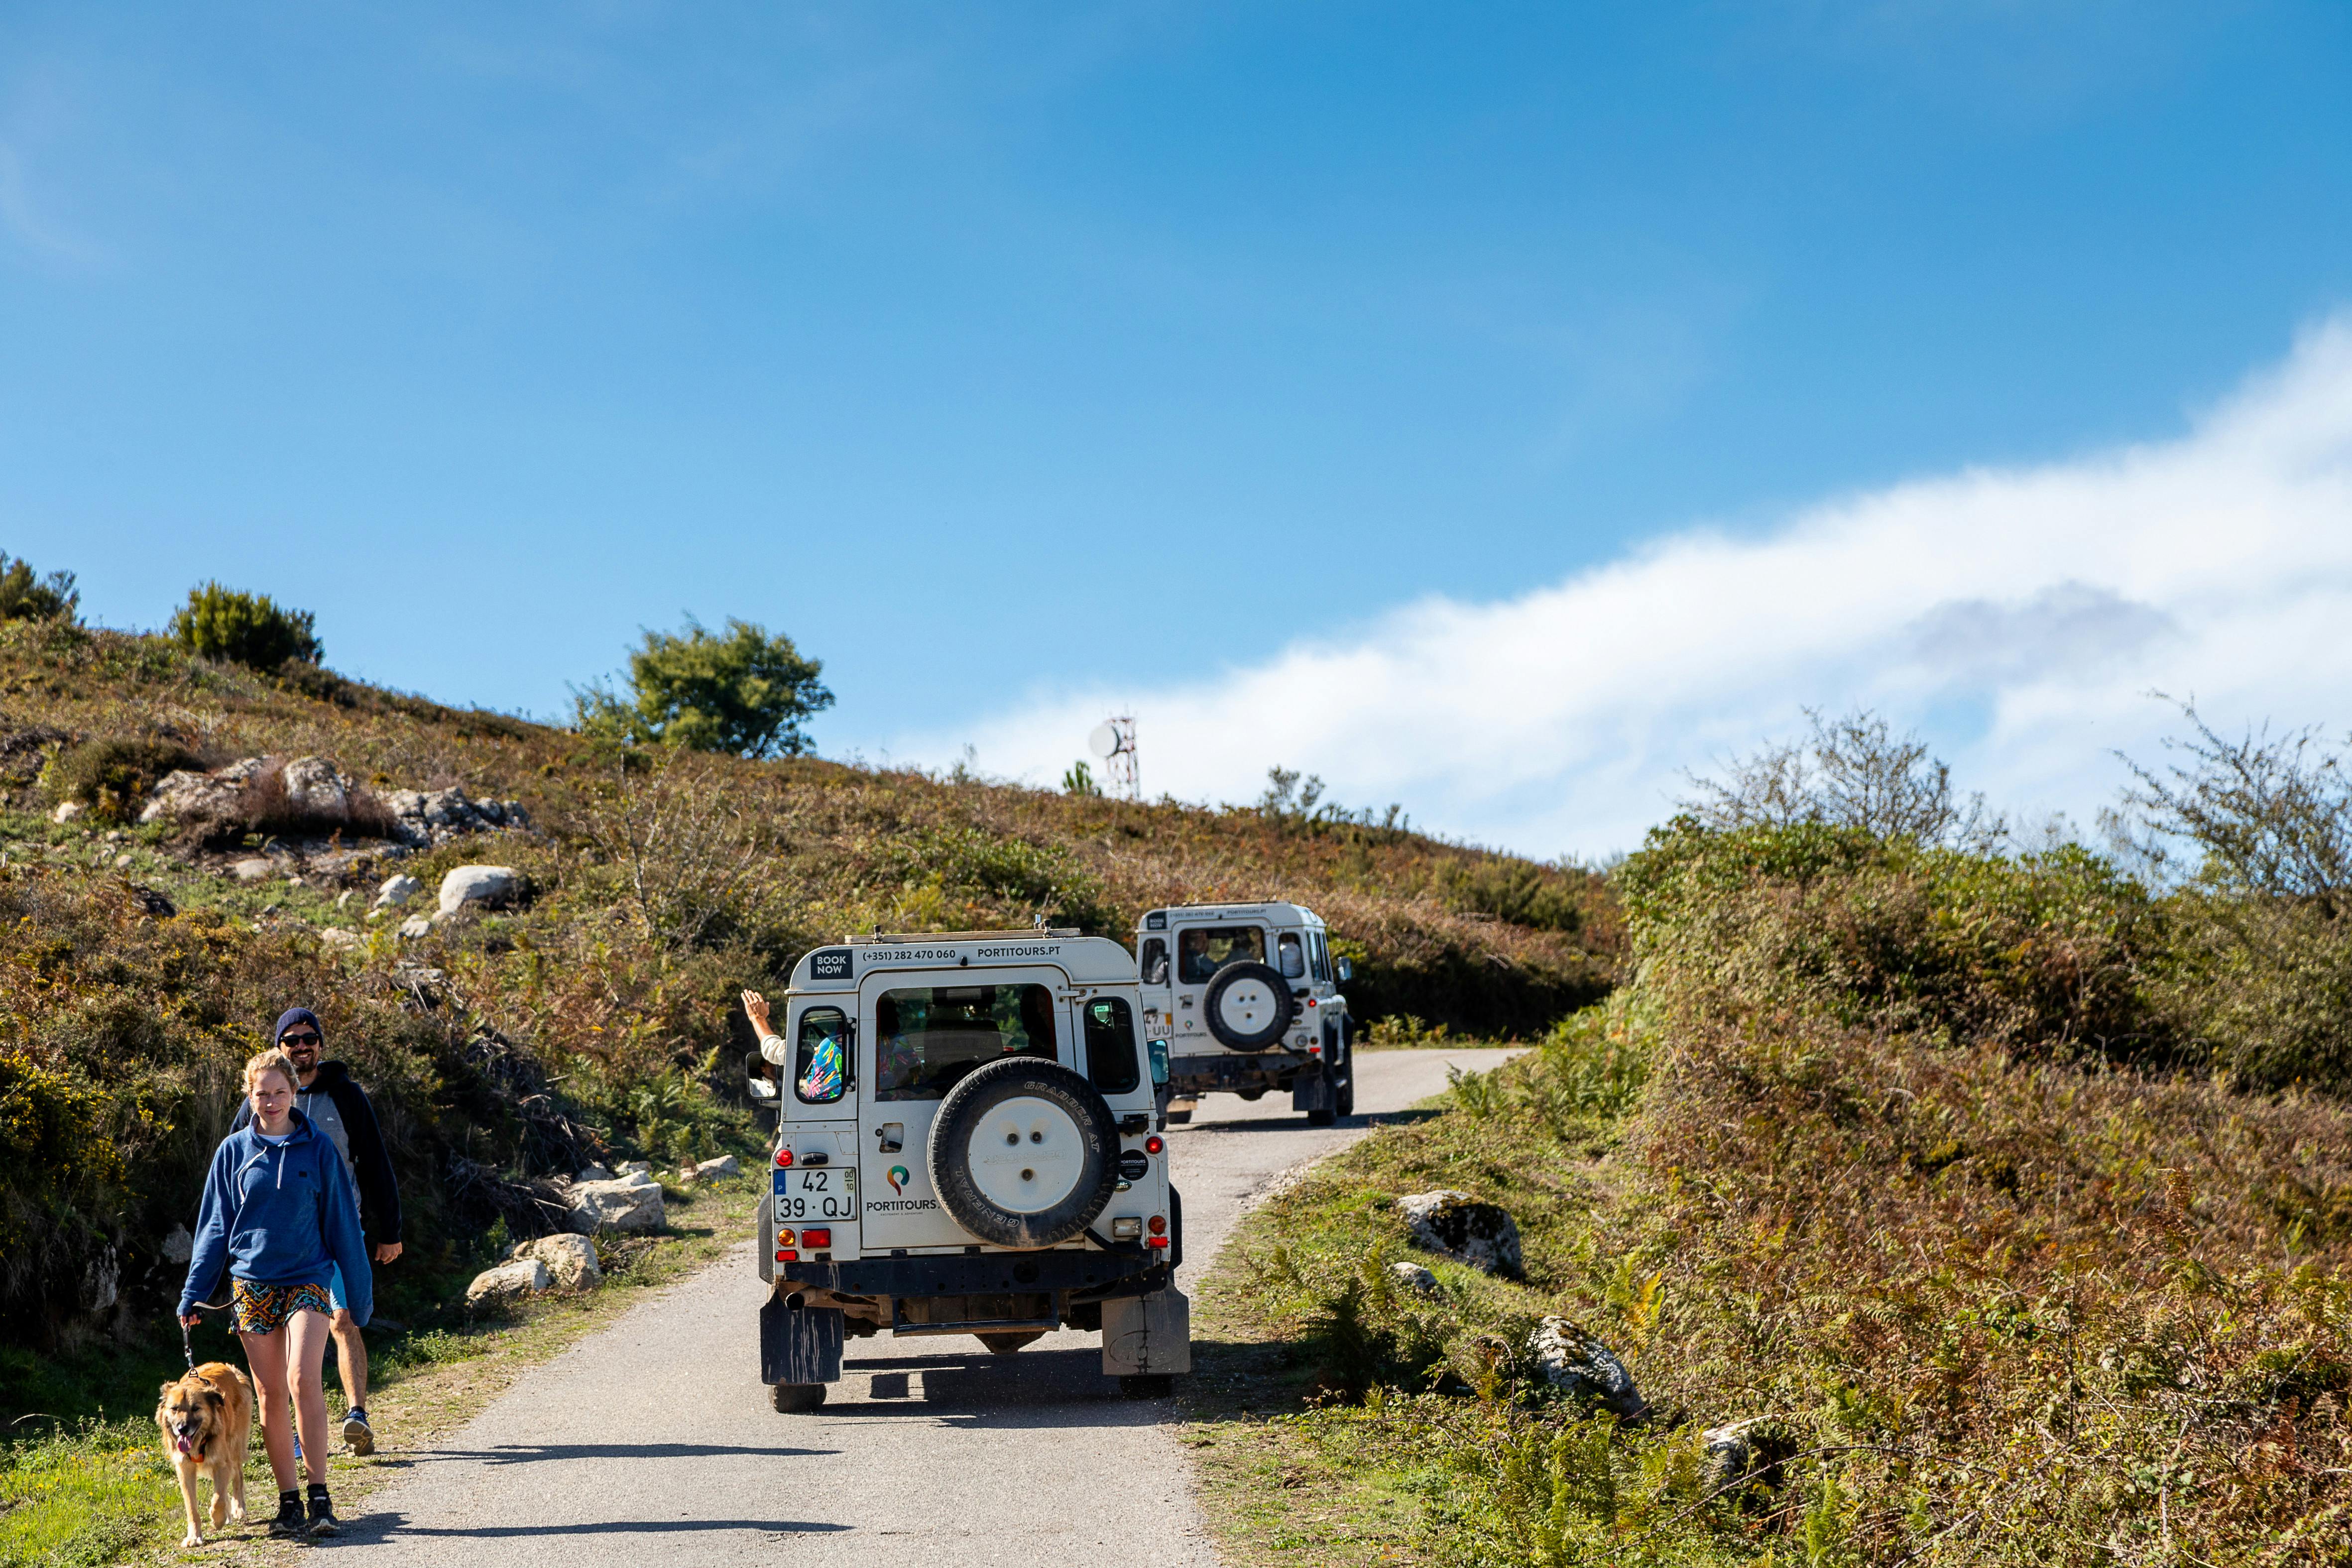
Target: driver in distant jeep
[1203, 950]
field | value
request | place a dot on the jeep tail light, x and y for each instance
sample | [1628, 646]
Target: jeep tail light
[822, 1235]
[783, 1158]
[1153, 1144]
[1155, 1241]
[1159, 1225]
[1316, 1050]
[1127, 1228]
[787, 1254]
[784, 1237]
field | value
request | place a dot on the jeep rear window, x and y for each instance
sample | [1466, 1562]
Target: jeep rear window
[1155, 962]
[1204, 950]
[820, 1067]
[1110, 1044]
[927, 1037]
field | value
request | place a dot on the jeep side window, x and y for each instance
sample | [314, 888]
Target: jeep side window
[1203, 950]
[1155, 962]
[1293, 956]
[821, 1059]
[1110, 1044]
[1319, 956]
[926, 1038]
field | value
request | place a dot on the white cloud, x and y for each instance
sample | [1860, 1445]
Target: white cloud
[2019, 617]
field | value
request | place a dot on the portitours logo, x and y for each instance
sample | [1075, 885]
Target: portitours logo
[898, 1176]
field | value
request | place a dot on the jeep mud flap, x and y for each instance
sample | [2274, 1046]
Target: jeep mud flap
[1230, 1072]
[1148, 1335]
[1313, 1089]
[798, 1343]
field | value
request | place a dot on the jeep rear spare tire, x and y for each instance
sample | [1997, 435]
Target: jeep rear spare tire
[1248, 1007]
[1024, 1153]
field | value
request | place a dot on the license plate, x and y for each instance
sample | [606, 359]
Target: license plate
[816, 1193]
[1156, 1027]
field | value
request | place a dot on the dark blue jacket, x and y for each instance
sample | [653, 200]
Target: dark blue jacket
[279, 1215]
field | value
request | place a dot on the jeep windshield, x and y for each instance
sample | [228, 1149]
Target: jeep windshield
[931, 1036]
[1204, 950]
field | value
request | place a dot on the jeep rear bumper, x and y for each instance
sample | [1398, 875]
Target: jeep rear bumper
[1086, 1275]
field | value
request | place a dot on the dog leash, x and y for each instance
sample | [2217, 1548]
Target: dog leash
[188, 1345]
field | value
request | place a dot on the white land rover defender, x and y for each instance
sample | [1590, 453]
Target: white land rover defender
[1247, 997]
[967, 1144]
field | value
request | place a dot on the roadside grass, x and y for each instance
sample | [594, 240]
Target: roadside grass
[97, 1490]
[1309, 1444]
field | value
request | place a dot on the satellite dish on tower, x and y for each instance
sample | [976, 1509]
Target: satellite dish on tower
[1114, 741]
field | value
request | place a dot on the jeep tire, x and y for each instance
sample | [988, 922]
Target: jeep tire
[1248, 1007]
[797, 1398]
[1024, 1153]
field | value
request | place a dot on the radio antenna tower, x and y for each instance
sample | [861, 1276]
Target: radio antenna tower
[1114, 741]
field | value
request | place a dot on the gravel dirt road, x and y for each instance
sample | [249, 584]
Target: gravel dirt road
[653, 1442]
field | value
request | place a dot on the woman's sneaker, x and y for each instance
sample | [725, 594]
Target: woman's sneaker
[357, 1437]
[290, 1520]
[323, 1513]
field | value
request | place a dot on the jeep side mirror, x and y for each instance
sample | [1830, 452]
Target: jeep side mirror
[1346, 970]
[761, 1090]
[1159, 1060]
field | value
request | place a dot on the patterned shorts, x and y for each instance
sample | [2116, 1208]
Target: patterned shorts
[266, 1309]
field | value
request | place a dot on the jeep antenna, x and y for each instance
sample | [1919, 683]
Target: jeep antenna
[1114, 741]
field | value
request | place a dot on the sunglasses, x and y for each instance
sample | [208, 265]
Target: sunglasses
[304, 1038]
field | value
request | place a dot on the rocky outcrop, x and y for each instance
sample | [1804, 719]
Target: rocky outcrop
[395, 892]
[480, 887]
[1571, 1364]
[630, 1202]
[571, 1261]
[713, 1170]
[524, 1277]
[312, 794]
[1481, 1235]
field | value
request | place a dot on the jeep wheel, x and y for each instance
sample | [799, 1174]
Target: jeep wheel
[1024, 1154]
[1322, 1116]
[1248, 1007]
[1146, 1385]
[797, 1398]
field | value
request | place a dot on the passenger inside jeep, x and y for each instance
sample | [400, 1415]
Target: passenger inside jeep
[932, 1035]
[1204, 950]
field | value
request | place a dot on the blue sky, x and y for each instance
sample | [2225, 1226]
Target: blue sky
[1020, 358]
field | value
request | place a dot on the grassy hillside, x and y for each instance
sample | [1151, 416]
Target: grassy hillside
[136, 971]
[1992, 1188]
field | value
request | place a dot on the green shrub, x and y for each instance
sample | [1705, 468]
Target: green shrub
[111, 776]
[244, 628]
[744, 693]
[25, 597]
[1518, 891]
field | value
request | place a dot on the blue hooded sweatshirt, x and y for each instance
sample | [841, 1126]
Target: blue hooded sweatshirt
[277, 1214]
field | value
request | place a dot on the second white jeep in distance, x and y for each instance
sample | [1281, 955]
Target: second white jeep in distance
[967, 1144]
[1248, 998]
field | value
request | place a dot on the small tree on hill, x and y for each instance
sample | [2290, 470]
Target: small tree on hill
[25, 597]
[1851, 772]
[1080, 780]
[743, 693]
[244, 628]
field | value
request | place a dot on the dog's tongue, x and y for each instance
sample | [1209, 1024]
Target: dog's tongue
[186, 1447]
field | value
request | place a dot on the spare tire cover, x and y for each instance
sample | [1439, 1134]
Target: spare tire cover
[1024, 1153]
[1248, 1007]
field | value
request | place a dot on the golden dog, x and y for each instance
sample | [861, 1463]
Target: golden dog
[207, 1417]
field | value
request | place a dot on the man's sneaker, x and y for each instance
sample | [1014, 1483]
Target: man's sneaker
[290, 1520]
[322, 1514]
[357, 1437]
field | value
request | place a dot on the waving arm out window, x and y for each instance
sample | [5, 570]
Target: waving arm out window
[1111, 1061]
[821, 1059]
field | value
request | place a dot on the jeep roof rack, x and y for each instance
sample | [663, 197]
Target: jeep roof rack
[907, 938]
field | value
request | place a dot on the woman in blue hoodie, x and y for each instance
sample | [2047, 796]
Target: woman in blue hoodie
[278, 1211]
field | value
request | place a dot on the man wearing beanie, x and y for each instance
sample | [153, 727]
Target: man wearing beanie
[338, 1107]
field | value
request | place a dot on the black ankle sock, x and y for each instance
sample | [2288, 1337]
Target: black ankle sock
[290, 1496]
[318, 1489]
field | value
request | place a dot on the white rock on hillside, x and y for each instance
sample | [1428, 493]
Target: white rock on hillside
[1573, 1362]
[255, 868]
[396, 890]
[524, 1277]
[435, 817]
[1412, 1277]
[487, 886]
[572, 1259]
[337, 937]
[316, 791]
[712, 1169]
[1457, 1225]
[616, 1205]
[67, 811]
